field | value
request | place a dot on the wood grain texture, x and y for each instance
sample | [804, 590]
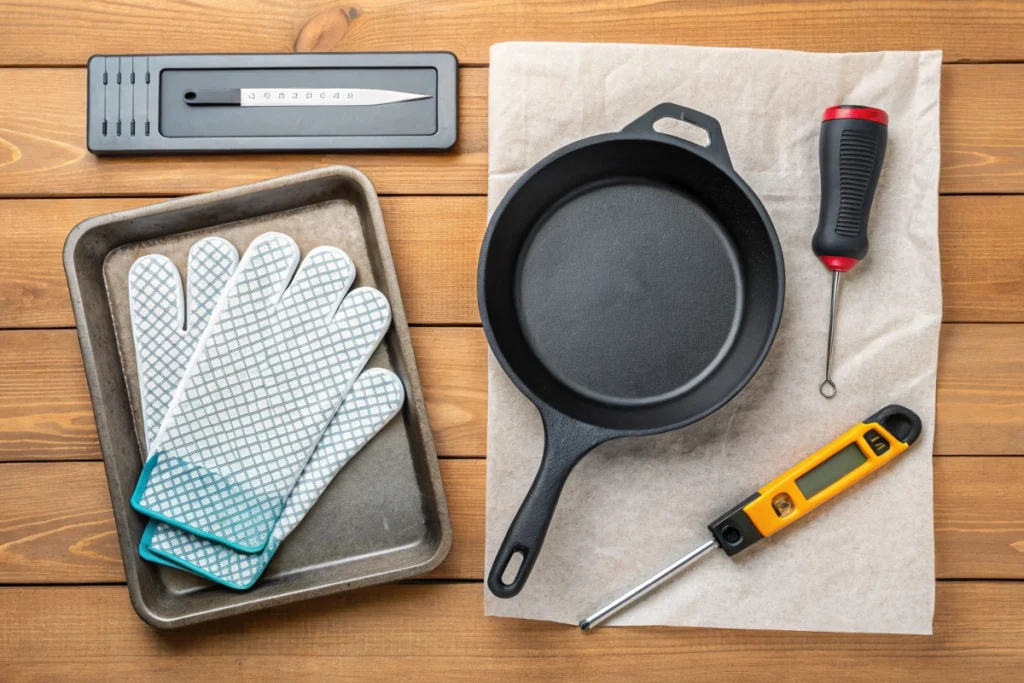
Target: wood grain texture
[436, 241]
[45, 410]
[979, 517]
[980, 399]
[44, 32]
[438, 632]
[56, 525]
[33, 288]
[981, 246]
[982, 132]
[453, 368]
[43, 153]
[46, 414]
[55, 520]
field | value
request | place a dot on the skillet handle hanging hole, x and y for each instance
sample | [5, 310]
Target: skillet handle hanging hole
[683, 130]
[515, 563]
[715, 148]
[509, 572]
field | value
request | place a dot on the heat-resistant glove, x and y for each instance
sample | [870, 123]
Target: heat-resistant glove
[165, 336]
[166, 326]
[164, 329]
[272, 367]
[375, 398]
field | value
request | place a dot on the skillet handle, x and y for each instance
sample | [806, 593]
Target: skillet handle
[565, 442]
[715, 149]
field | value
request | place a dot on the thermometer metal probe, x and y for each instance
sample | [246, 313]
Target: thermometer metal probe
[851, 149]
[818, 478]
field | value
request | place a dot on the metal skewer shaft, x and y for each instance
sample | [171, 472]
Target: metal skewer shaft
[828, 387]
[645, 587]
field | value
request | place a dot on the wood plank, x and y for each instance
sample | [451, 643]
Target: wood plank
[41, 32]
[438, 632]
[45, 413]
[982, 133]
[43, 154]
[981, 245]
[453, 368]
[979, 517]
[33, 289]
[980, 401]
[436, 242]
[56, 525]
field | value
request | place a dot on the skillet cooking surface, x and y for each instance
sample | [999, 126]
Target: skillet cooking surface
[629, 291]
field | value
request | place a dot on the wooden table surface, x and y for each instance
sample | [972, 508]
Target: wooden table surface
[64, 610]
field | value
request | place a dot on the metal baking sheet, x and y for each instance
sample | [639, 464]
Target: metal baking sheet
[384, 518]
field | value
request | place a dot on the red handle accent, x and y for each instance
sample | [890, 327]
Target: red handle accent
[840, 263]
[856, 111]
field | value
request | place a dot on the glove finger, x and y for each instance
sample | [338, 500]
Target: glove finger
[211, 262]
[356, 330]
[319, 286]
[263, 273]
[157, 313]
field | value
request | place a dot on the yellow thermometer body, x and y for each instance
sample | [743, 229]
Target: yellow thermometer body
[817, 478]
[820, 477]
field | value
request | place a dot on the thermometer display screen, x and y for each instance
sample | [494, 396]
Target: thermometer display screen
[832, 470]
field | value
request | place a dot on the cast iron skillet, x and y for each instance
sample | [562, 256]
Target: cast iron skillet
[629, 284]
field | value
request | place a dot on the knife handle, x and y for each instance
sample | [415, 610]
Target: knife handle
[218, 96]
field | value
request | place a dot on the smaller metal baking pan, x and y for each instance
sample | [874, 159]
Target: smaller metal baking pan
[384, 518]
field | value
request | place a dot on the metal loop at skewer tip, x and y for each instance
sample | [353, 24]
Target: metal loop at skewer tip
[827, 388]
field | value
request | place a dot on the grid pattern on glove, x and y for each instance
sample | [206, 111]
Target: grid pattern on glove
[165, 336]
[375, 398]
[267, 381]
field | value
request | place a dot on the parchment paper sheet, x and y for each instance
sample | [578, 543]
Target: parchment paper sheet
[865, 562]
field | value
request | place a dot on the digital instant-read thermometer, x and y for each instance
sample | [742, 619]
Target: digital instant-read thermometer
[816, 479]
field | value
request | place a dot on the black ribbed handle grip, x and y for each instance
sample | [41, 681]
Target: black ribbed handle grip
[851, 150]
